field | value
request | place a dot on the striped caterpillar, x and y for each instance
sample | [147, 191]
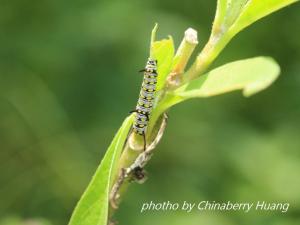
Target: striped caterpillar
[146, 99]
[142, 114]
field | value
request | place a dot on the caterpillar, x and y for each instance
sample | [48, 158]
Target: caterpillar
[146, 99]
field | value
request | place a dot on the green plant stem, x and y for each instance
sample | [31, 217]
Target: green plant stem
[212, 49]
[182, 56]
[132, 149]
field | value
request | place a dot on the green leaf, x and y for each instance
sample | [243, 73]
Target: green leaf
[234, 8]
[235, 15]
[220, 14]
[250, 75]
[257, 9]
[92, 208]
[226, 14]
[163, 51]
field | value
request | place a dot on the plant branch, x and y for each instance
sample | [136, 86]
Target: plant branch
[131, 160]
[182, 57]
[217, 42]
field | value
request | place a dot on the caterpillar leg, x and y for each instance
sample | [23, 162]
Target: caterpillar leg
[132, 111]
[147, 115]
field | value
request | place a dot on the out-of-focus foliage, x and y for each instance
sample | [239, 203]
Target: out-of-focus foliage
[68, 77]
[17, 221]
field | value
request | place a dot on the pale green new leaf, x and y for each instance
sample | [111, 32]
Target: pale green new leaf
[220, 15]
[257, 9]
[92, 208]
[249, 75]
[163, 51]
[226, 14]
[235, 15]
[233, 10]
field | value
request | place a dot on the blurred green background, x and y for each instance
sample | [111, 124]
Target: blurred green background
[68, 77]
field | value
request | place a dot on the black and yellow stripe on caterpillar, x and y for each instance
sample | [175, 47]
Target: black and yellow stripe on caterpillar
[146, 98]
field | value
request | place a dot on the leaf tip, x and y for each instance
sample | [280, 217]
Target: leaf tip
[153, 33]
[153, 37]
[273, 69]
